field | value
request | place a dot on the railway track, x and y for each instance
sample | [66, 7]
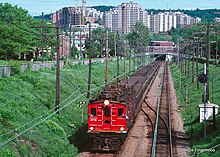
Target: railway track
[139, 84]
[162, 137]
[140, 139]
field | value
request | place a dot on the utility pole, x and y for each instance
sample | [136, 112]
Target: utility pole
[188, 64]
[117, 63]
[125, 49]
[205, 98]
[42, 36]
[57, 69]
[62, 45]
[178, 50]
[185, 57]
[188, 75]
[207, 59]
[216, 49]
[90, 62]
[80, 39]
[181, 59]
[200, 47]
[115, 44]
[57, 59]
[70, 41]
[197, 62]
[74, 53]
[83, 3]
[193, 55]
[129, 61]
[106, 72]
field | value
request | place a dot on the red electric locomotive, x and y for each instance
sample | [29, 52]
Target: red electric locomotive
[112, 112]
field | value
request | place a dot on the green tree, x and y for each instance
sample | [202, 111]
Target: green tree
[139, 36]
[17, 39]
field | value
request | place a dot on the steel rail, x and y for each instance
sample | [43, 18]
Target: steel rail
[168, 126]
[153, 151]
[169, 116]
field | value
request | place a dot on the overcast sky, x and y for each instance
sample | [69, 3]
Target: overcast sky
[36, 7]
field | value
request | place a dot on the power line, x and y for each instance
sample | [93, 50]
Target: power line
[46, 118]
[24, 125]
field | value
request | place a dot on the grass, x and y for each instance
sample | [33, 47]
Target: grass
[27, 102]
[190, 110]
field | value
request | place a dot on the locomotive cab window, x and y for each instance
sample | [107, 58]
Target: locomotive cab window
[93, 111]
[120, 112]
[106, 111]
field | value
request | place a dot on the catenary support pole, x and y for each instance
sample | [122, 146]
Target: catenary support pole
[57, 69]
[90, 63]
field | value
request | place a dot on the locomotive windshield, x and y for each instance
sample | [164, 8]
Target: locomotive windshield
[120, 112]
[93, 111]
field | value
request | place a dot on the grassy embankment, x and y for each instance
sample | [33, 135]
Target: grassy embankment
[190, 110]
[27, 103]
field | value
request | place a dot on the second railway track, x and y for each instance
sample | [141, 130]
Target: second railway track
[162, 141]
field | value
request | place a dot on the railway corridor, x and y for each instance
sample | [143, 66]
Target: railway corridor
[140, 138]
[163, 133]
[168, 129]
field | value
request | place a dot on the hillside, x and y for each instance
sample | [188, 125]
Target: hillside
[28, 123]
[201, 146]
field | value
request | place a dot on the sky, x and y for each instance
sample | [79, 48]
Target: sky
[36, 7]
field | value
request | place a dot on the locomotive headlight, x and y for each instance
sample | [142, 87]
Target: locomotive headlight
[106, 102]
[121, 129]
[91, 128]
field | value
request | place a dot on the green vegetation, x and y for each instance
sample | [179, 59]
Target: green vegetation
[187, 34]
[99, 43]
[17, 39]
[139, 36]
[27, 103]
[190, 109]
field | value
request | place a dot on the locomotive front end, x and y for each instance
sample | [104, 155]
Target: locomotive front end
[107, 124]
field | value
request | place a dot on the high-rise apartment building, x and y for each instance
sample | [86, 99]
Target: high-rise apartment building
[124, 17]
[70, 16]
[107, 19]
[165, 21]
[73, 16]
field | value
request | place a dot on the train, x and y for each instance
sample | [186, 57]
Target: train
[112, 113]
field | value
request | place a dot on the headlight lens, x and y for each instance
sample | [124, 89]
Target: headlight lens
[121, 129]
[91, 128]
[106, 102]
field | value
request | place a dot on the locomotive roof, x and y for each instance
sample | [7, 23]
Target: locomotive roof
[113, 92]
